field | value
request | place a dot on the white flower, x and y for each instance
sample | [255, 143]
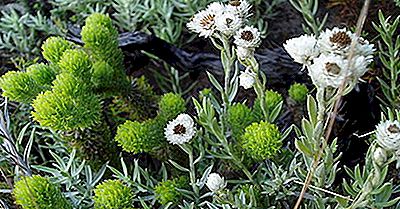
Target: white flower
[215, 182]
[379, 156]
[240, 7]
[216, 7]
[247, 37]
[328, 70]
[302, 49]
[339, 40]
[244, 53]
[388, 135]
[358, 66]
[228, 23]
[203, 22]
[247, 79]
[180, 130]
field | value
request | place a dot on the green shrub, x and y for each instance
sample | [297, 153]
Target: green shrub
[298, 92]
[101, 39]
[112, 194]
[170, 106]
[37, 192]
[261, 140]
[166, 191]
[25, 86]
[54, 47]
[77, 63]
[239, 117]
[70, 105]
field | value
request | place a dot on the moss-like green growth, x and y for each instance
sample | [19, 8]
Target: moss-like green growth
[166, 191]
[25, 86]
[54, 47]
[38, 192]
[239, 117]
[77, 63]
[298, 92]
[70, 105]
[112, 194]
[132, 137]
[261, 140]
[170, 106]
[272, 99]
[108, 81]
[101, 39]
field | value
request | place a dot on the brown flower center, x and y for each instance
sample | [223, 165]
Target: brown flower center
[179, 129]
[247, 35]
[235, 3]
[207, 21]
[332, 68]
[394, 129]
[341, 38]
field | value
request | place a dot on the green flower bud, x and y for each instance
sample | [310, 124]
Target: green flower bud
[113, 194]
[37, 192]
[298, 92]
[261, 140]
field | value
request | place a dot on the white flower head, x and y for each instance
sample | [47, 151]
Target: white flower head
[358, 66]
[244, 53]
[203, 22]
[247, 78]
[339, 41]
[240, 7]
[336, 40]
[329, 70]
[228, 23]
[248, 37]
[216, 7]
[388, 135]
[180, 130]
[302, 49]
[215, 182]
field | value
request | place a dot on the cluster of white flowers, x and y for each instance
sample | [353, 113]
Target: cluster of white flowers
[327, 56]
[180, 130]
[215, 182]
[220, 20]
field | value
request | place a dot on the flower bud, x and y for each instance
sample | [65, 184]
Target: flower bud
[215, 182]
[379, 156]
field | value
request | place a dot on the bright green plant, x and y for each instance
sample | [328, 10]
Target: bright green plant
[261, 140]
[171, 105]
[298, 92]
[25, 86]
[167, 191]
[69, 105]
[54, 47]
[37, 192]
[239, 116]
[113, 194]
